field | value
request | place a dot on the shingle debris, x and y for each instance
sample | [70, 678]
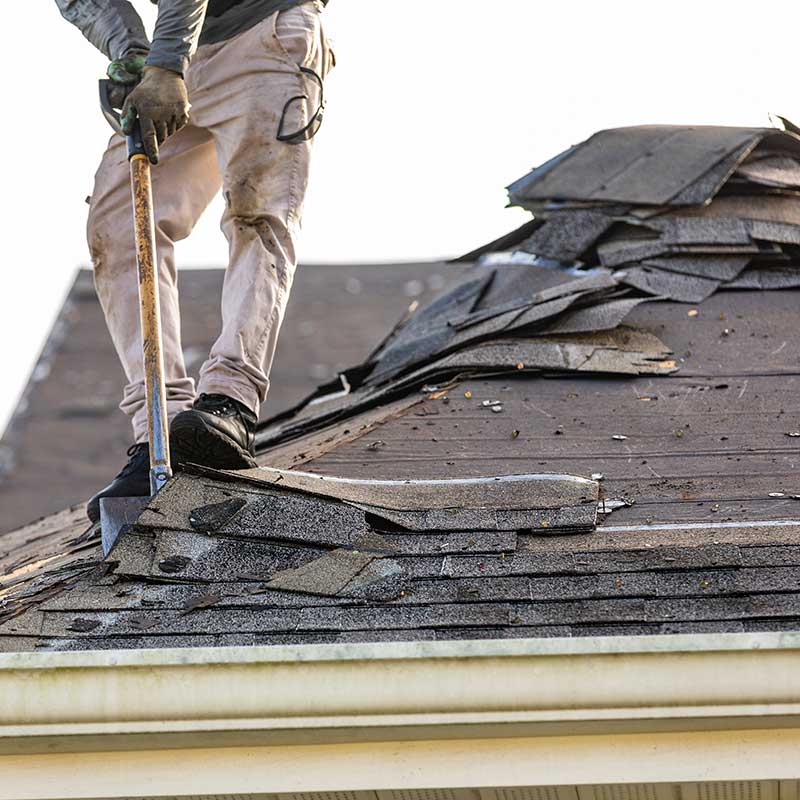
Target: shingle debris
[333, 537]
[631, 214]
[677, 212]
[631, 217]
[528, 318]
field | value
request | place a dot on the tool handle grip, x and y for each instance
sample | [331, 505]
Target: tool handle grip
[134, 140]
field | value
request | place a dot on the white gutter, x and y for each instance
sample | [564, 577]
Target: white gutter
[314, 699]
[431, 684]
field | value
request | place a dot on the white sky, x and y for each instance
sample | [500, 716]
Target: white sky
[434, 107]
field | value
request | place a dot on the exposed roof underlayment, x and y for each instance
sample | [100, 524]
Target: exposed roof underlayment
[558, 445]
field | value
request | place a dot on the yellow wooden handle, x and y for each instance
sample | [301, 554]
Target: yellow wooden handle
[153, 358]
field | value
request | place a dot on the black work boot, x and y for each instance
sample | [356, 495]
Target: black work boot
[217, 432]
[132, 481]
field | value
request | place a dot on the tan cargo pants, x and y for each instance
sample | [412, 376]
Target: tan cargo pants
[238, 90]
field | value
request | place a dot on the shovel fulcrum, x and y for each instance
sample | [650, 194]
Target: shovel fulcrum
[115, 512]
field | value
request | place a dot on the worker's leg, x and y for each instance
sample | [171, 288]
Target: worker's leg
[184, 182]
[252, 78]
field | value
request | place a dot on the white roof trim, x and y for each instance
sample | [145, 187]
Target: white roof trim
[428, 685]
[330, 717]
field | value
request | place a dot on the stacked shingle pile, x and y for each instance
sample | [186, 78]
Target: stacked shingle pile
[630, 215]
[457, 516]
[677, 212]
[494, 319]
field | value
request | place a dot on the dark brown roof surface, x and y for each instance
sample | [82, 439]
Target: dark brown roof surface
[708, 543]
[682, 420]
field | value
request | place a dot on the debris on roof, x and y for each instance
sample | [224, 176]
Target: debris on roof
[232, 585]
[630, 215]
[74, 391]
[653, 165]
[677, 212]
[580, 362]
[530, 319]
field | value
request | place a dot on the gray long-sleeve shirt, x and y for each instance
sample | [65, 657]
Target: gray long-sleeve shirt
[114, 27]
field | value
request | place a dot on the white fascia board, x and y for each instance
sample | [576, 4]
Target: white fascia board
[425, 690]
[317, 719]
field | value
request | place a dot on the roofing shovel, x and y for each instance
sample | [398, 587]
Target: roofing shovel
[116, 513]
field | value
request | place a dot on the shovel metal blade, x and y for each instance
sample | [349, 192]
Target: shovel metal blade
[117, 514]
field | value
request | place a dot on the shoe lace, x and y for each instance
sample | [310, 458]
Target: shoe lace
[136, 453]
[220, 400]
[218, 404]
[222, 405]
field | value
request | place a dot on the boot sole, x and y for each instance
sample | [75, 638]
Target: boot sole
[192, 441]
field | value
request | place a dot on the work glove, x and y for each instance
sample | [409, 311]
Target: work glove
[125, 73]
[161, 104]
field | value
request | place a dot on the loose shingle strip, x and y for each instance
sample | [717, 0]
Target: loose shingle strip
[639, 165]
[677, 230]
[677, 286]
[772, 170]
[614, 354]
[619, 253]
[499, 493]
[721, 268]
[595, 319]
[566, 235]
[767, 278]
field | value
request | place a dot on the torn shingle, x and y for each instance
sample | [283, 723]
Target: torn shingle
[207, 519]
[644, 165]
[327, 575]
[581, 363]
[567, 235]
[680, 287]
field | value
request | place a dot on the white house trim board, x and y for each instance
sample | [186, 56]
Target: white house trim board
[424, 715]
[514, 762]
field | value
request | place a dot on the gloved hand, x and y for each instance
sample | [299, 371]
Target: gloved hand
[125, 73]
[161, 104]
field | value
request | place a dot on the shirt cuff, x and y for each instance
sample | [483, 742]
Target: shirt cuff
[170, 61]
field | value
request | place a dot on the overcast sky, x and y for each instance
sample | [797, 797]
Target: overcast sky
[434, 107]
